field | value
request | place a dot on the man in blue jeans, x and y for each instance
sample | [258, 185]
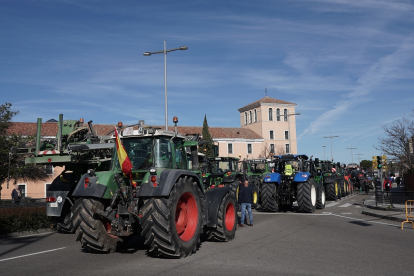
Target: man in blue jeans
[245, 201]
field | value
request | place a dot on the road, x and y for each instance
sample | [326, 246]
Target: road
[335, 241]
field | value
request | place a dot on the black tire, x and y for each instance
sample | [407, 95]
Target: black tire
[233, 185]
[226, 222]
[339, 190]
[321, 201]
[331, 191]
[306, 196]
[160, 222]
[93, 232]
[344, 188]
[268, 197]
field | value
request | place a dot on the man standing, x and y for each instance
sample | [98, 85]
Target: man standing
[16, 195]
[245, 201]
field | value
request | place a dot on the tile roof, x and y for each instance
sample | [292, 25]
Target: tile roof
[50, 129]
[263, 100]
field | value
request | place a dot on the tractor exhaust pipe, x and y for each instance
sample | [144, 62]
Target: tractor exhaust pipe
[59, 134]
[38, 135]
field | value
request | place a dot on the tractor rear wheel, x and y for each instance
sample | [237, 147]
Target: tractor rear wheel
[172, 226]
[94, 231]
[268, 197]
[320, 202]
[226, 221]
[306, 196]
[332, 191]
[338, 189]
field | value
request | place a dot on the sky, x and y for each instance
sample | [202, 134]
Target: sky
[348, 65]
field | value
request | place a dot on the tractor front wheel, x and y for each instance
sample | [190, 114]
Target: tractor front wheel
[320, 202]
[226, 221]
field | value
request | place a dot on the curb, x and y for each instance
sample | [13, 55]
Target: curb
[386, 209]
[389, 217]
[25, 233]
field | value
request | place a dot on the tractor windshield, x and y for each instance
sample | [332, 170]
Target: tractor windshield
[145, 152]
[223, 166]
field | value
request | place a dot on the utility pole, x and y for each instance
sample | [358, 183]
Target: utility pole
[359, 158]
[352, 156]
[331, 144]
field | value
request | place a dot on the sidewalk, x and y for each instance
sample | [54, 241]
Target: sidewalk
[394, 212]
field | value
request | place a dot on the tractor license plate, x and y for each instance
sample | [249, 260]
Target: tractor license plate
[53, 204]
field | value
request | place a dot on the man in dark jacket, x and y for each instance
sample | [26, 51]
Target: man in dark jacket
[245, 201]
[16, 195]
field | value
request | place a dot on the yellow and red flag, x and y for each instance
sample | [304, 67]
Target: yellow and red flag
[124, 161]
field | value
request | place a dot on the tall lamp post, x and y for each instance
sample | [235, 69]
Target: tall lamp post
[165, 51]
[352, 156]
[288, 115]
[331, 143]
[324, 158]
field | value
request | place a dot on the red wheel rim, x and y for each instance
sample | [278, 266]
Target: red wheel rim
[186, 216]
[230, 216]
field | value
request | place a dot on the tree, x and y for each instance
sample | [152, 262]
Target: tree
[398, 139]
[207, 146]
[18, 169]
[366, 164]
[266, 151]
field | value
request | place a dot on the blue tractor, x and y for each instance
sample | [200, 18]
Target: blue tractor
[292, 180]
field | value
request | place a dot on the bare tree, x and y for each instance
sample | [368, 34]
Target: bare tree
[267, 152]
[397, 142]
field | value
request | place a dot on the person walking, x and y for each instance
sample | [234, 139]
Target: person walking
[387, 183]
[16, 195]
[245, 202]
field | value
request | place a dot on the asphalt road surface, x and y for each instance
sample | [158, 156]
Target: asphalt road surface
[335, 241]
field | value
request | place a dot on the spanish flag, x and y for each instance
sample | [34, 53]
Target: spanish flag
[124, 162]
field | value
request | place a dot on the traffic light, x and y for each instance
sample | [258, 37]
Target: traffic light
[379, 160]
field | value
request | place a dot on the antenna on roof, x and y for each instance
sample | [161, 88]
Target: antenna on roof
[266, 91]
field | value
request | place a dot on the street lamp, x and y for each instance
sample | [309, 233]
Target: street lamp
[288, 115]
[324, 158]
[165, 51]
[352, 157]
[331, 143]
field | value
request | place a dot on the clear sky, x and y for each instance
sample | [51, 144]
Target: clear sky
[347, 64]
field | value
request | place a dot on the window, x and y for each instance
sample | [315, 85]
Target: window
[270, 114]
[49, 169]
[249, 149]
[245, 118]
[255, 116]
[286, 135]
[271, 135]
[272, 148]
[23, 189]
[287, 148]
[180, 162]
[230, 148]
[278, 114]
[250, 115]
[285, 115]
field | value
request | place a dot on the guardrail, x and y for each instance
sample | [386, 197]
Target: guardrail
[408, 213]
[392, 197]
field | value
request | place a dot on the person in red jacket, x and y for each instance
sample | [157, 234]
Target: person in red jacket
[387, 185]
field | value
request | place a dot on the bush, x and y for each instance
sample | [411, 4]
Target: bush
[19, 219]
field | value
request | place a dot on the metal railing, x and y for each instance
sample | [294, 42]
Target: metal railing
[392, 197]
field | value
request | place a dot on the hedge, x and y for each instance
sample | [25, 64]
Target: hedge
[19, 219]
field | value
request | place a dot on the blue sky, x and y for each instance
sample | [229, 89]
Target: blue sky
[347, 64]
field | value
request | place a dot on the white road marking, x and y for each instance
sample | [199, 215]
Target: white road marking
[346, 213]
[18, 237]
[32, 254]
[297, 214]
[332, 204]
[357, 206]
[345, 205]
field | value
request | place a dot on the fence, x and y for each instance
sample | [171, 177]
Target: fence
[25, 202]
[392, 197]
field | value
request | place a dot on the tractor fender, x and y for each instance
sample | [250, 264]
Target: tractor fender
[211, 203]
[229, 178]
[327, 179]
[301, 177]
[272, 178]
[60, 189]
[166, 182]
[94, 188]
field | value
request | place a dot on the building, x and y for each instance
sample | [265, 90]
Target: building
[265, 129]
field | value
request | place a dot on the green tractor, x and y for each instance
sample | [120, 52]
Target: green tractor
[163, 199]
[223, 172]
[329, 180]
[78, 149]
[340, 177]
[254, 170]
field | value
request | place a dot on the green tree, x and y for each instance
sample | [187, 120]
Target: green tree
[366, 164]
[207, 146]
[9, 141]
